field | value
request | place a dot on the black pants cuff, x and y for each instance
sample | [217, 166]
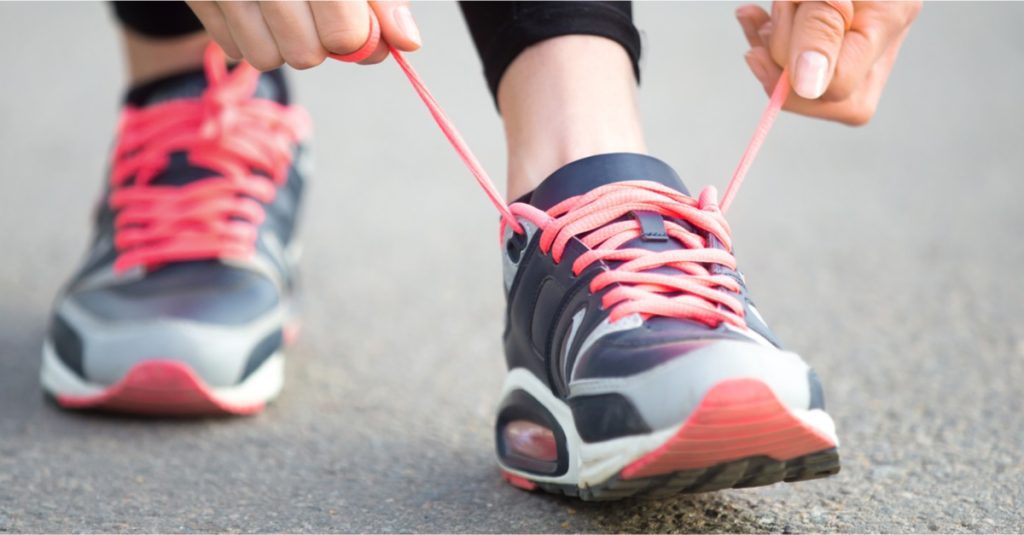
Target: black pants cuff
[502, 30]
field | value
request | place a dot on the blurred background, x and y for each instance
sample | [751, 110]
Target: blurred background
[889, 256]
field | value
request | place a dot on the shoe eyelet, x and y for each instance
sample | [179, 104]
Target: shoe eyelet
[514, 246]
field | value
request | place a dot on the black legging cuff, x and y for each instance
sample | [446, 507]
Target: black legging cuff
[157, 19]
[502, 30]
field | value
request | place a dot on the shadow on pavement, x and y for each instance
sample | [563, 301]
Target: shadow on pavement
[28, 417]
[22, 397]
[704, 513]
[713, 512]
[21, 339]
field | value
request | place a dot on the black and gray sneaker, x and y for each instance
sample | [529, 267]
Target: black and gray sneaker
[637, 361]
[183, 303]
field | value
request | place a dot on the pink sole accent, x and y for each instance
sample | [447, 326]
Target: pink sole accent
[159, 387]
[290, 332]
[737, 418]
[517, 481]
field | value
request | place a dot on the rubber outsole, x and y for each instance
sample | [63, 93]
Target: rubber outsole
[166, 387]
[740, 435]
[737, 419]
[750, 472]
[159, 387]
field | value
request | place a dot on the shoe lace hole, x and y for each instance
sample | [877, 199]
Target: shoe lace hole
[514, 246]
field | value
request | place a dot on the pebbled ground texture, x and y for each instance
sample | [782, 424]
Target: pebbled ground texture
[889, 256]
[748, 472]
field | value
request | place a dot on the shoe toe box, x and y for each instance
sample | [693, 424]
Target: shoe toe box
[665, 394]
[219, 321]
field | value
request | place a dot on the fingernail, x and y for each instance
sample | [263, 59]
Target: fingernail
[811, 71]
[765, 33]
[405, 21]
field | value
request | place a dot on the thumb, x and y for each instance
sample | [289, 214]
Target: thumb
[397, 26]
[817, 36]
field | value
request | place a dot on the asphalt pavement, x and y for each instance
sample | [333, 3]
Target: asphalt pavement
[889, 256]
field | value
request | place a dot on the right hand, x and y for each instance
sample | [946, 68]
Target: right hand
[302, 34]
[839, 54]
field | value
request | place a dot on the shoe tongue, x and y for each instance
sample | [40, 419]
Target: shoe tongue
[190, 85]
[584, 175]
[581, 176]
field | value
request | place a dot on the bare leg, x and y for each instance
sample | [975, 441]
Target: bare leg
[149, 59]
[564, 99]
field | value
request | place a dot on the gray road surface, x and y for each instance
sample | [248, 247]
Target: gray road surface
[890, 256]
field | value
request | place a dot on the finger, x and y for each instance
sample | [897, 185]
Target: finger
[863, 103]
[764, 68]
[213, 20]
[872, 32]
[397, 27]
[765, 32]
[757, 69]
[379, 54]
[781, 28]
[817, 37]
[343, 26]
[252, 35]
[857, 57]
[751, 19]
[860, 107]
[856, 110]
[293, 28]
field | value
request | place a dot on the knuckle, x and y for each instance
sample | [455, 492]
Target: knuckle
[858, 120]
[834, 95]
[839, 90]
[266, 62]
[232, 53]
[826, 23]
[860, 116]
[378, 55]
[305, 59]
[343, 41]
[229, 47]
[374, 59]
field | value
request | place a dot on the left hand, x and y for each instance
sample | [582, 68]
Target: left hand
[839, 54]
[302, 34]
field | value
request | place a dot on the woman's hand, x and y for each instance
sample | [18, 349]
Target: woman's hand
[301, 34]
[839, 54]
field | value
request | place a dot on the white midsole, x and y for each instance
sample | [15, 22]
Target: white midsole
[262, 385]
[596, 462]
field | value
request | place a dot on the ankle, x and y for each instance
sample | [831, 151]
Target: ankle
[528, 168]
[565, 99]
[151, 59]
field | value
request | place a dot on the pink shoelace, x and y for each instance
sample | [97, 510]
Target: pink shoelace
[600, 219]
[231, 133]
[227, 131]
[596, 219]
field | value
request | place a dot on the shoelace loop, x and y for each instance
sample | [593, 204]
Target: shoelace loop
[778, 98]
[246, 142]
[672, 283]
[698, 295]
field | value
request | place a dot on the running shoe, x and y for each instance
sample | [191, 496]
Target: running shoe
[638, 365]
[184, 300]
